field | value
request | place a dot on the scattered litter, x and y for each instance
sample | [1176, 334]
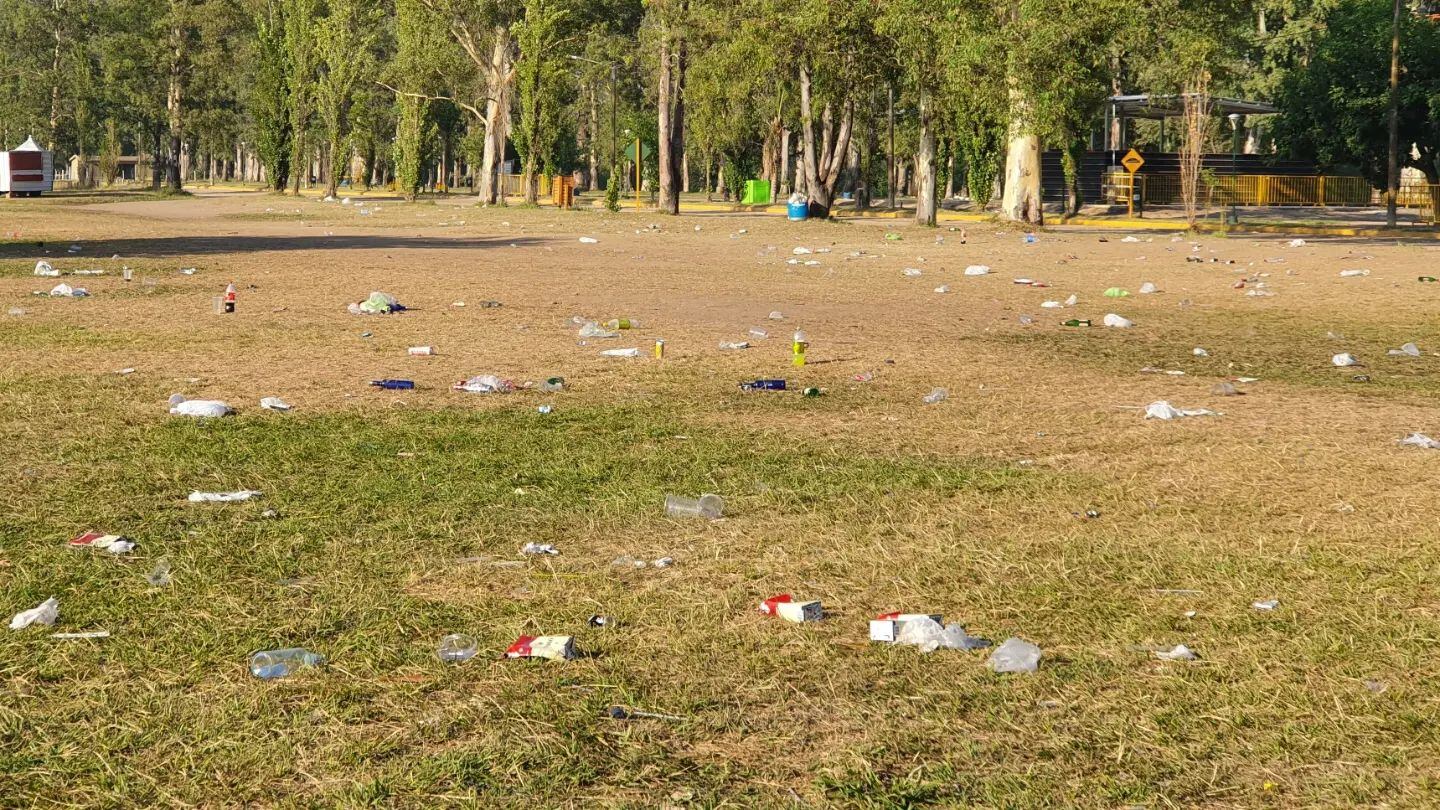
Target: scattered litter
[1148, 288]
[758, 333]
[663, 562]
[66, 291]
[379, 303]
[887, 626]
[187, 271]
[1072, 300]
[553, 384]
[420, 351]
[125, 372]
[1164, 410]
[15, 312]
[1052, 305]
[802, 251]
[1225, 389]
[113, 543]
[591, 329]
[1353, 273]
[274, 404]
[1344, 359]
[539, 548]
[706, 506]
[734, 346]
[198, 408]
[1199, 352]
[936, 395]
[597, 620]
[393, 385]
[1015, 655]
[620, 353]
[1129, 239]
[43, 268]
[1268, 604]
[223, 497]
[457, 647]
[1117, 321]
[1116, 292]
[1295, 243]
[1178, 653]
[777, 315]
[1408, 350]
[45, 613]
[1154, 370]
[942, 289]
[788, 609]
[273, 664]
[911, 272]
[763, 385]
[555, 648]
[77, 636]
[485, 384]
[977, 270]
[588, 240]
[545, 409]
[926, 633]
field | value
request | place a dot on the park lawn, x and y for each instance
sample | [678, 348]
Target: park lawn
[394, 529]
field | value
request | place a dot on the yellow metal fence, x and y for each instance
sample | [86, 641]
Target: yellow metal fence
[1264, 190]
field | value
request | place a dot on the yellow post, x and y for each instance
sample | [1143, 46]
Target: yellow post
[1322, 191]
[1130, 197]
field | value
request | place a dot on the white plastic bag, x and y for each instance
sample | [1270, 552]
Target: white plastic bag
[43, 268]
[223, 497]
[977, 270]
[1164, 410]
[1117, 321]
[45, 613]
[1015, 655]
[198, 408]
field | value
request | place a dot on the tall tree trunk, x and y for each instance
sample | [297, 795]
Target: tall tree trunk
[1073, 158]
[890, 176]
[55, 81]
[925, 166]
[822, 170]
[949, 169]
[685, 171]
[594, 139]
[175, 95]
[1021, 200]
[498, 73]
[671, 103]
[783, 181]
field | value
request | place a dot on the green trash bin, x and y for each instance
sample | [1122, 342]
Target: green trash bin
[757, 192]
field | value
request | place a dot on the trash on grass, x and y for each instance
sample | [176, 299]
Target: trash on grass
[379, 303]
[1199, 352]
[936, 395]
[76, 636]
[539, 548]
[1117, 322]
[45, 613]
[272, 664]
[1177, 653]
[1117, 292]
[620, 353]
[1421, 440]
[274, 404]
[1225, 389]
[393, 385]
[555, 648]
[1148, 288]
[198, 408]
[1015, 655]
[1161, 409]
[43, 268]
[589, 240]
[707, 506]
[113, 543]
[1353, 273]
[66, 291]
[734, 345]
[977, 270]
[1408, 350]
[1344, 359]
[1268, 604]
[785, 606]
[457, 647]
[159, 576]
[223, 497]
[485, 384]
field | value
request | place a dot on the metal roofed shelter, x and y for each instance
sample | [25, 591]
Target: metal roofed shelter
[1159, 108]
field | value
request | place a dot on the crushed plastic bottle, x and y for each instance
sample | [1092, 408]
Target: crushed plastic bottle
[590, 329]
[160, 576]
[936, 395]
[272, 664]
[1015, 655]
[457, 647]
[706, 506]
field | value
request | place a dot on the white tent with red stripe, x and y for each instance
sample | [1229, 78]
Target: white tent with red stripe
[27, 170]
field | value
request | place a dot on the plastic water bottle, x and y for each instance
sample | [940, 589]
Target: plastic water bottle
[706, 506]
[230, 298]
[623, 323]
[272, 664]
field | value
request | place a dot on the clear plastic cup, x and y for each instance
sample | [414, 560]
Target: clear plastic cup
[457, 647]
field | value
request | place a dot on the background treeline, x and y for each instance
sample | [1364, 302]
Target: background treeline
[810, 94]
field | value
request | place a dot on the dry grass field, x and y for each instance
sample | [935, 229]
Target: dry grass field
[399, 515]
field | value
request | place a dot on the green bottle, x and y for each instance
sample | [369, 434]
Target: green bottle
[1077, 322]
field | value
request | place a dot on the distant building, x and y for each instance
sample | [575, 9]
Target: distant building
[128, 168]
[27, 170]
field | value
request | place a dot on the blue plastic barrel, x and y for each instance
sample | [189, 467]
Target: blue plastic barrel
[798, 211]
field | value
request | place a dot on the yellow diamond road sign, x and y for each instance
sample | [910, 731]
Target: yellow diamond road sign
[1132, 161]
